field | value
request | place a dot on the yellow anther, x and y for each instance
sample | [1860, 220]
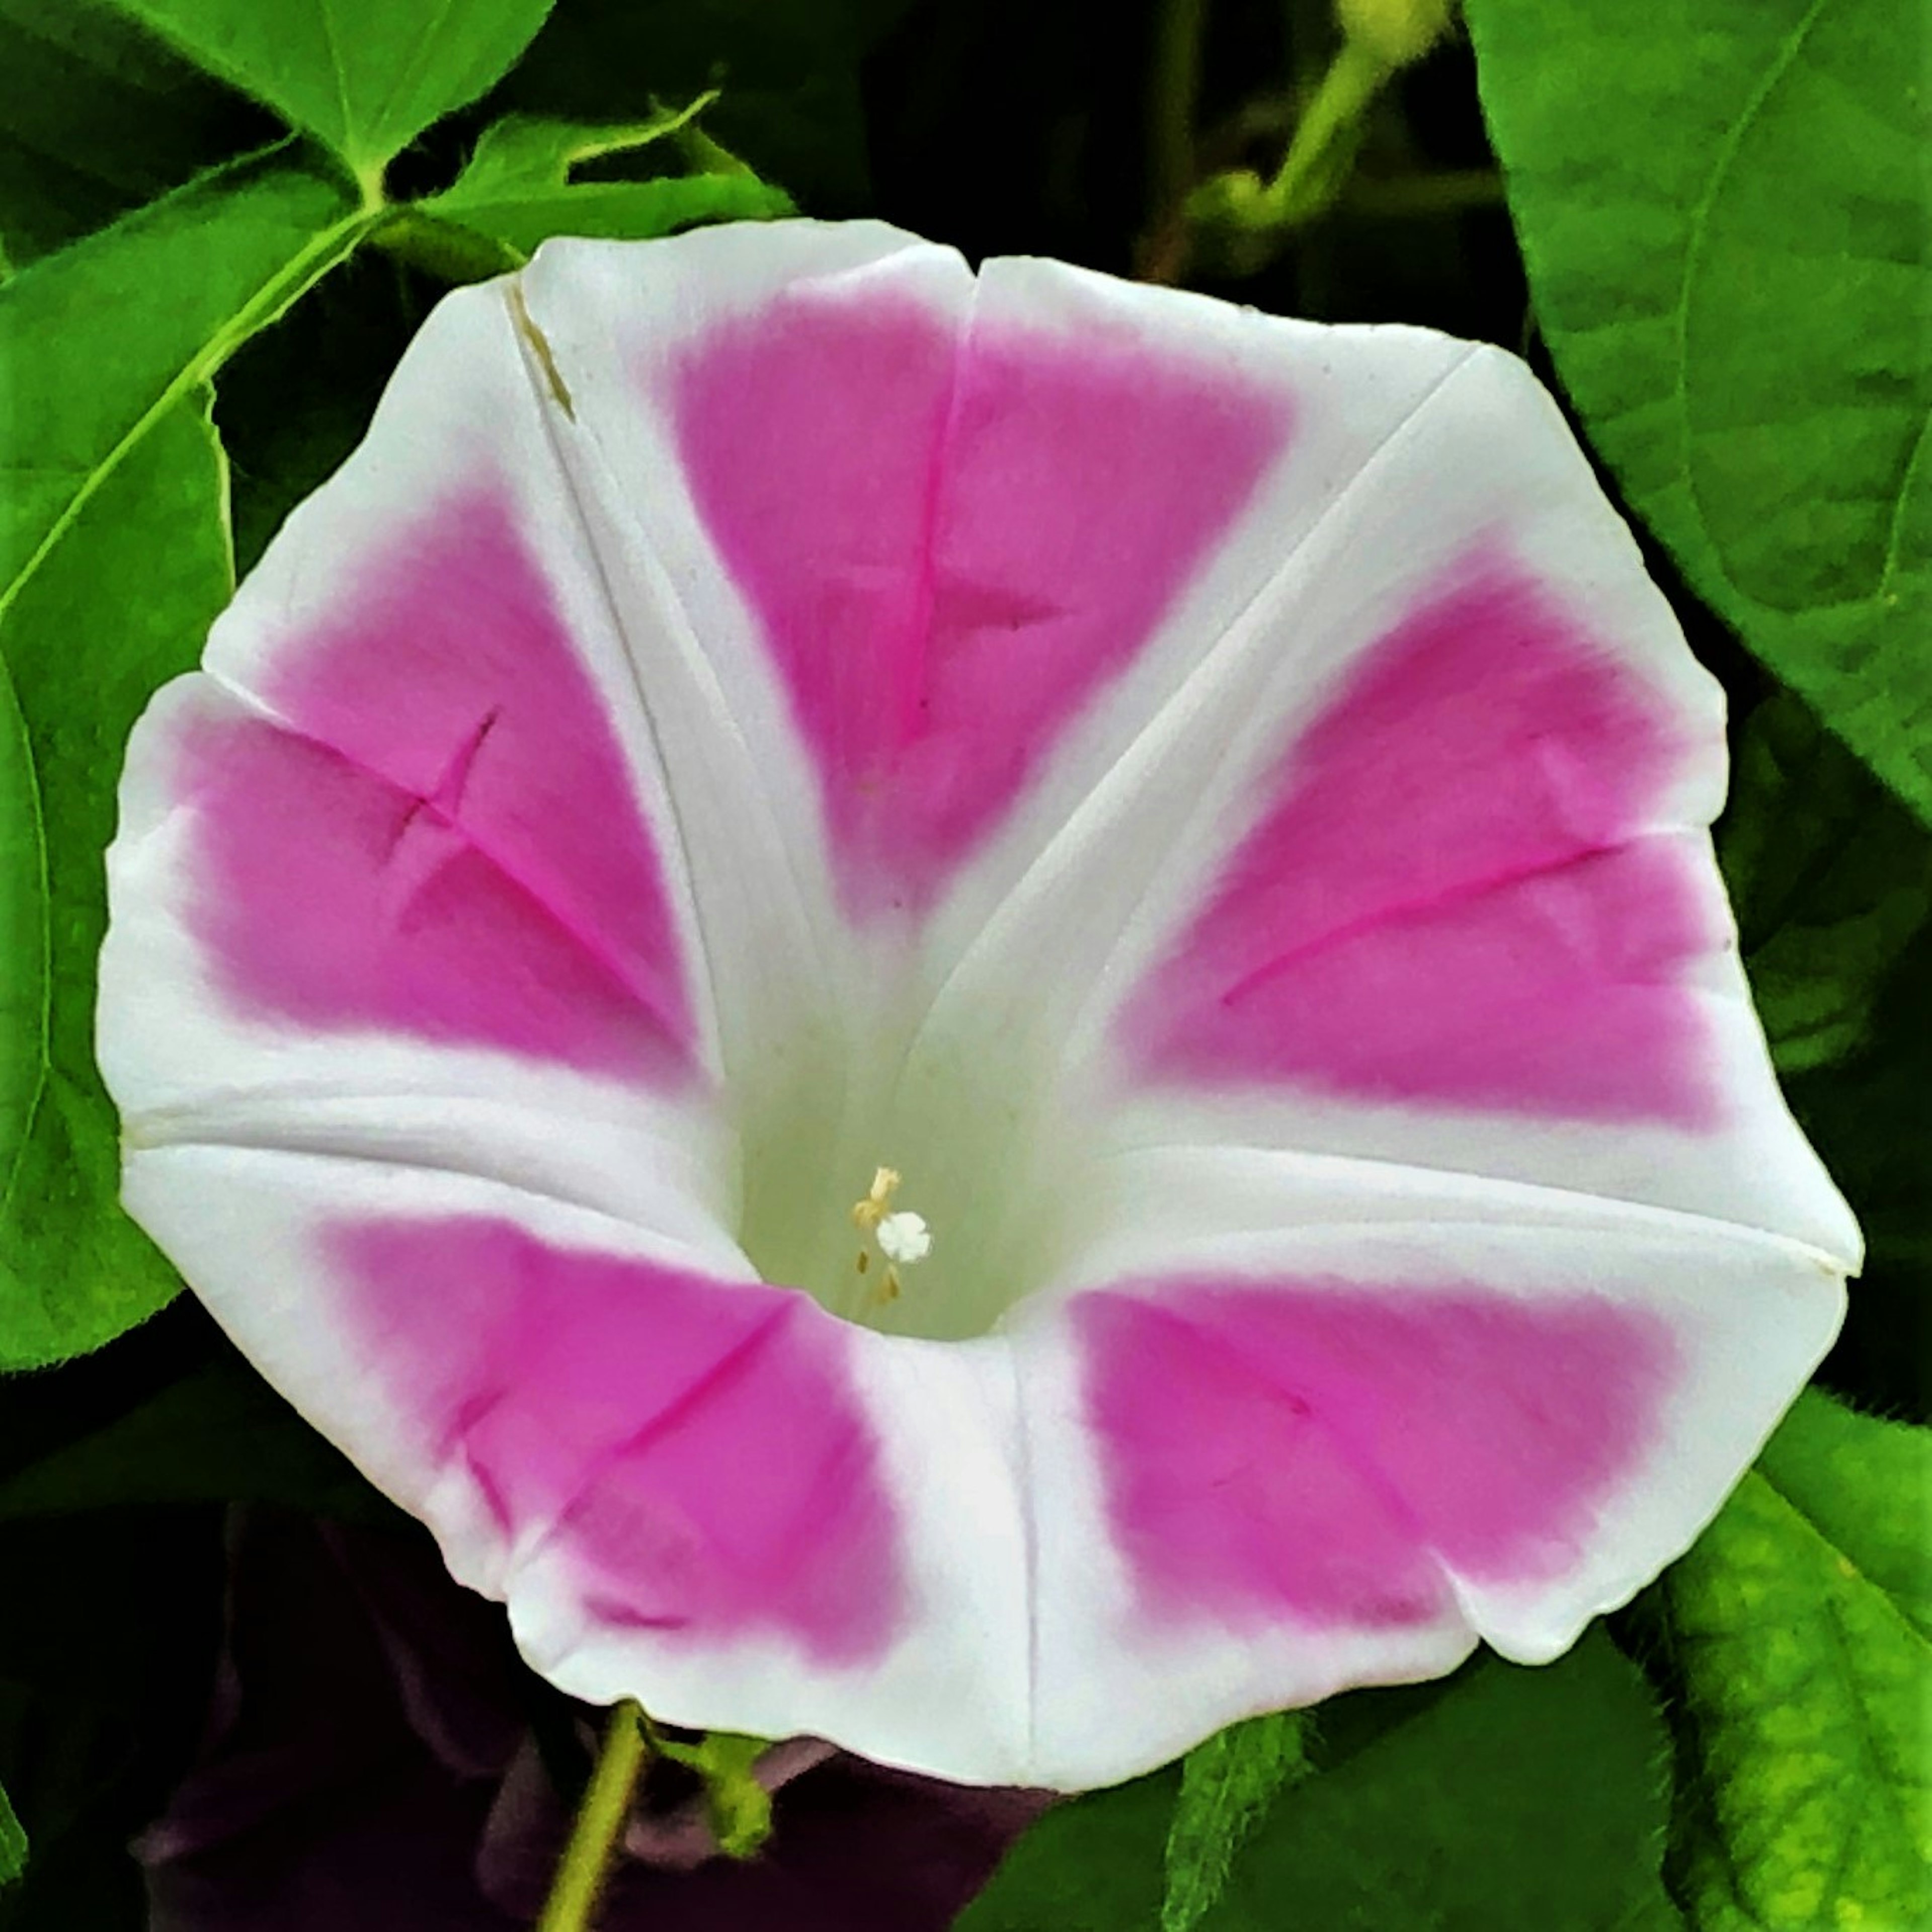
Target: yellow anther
[868, 1213]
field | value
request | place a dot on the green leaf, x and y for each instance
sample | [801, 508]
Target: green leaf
[1722, 204]
[95, 119]
[114, 481]
[1227, 1786]
[792, 100]
[13, 1843]
[518, 191]
[105, 339]
[365, 77]
[1524, 1798]
[1093, 1864]
[624, 211]
[1510, 1799]
[526, 154]
[84, 655]
[1830, 877]
[220, 1435]
[1802, 1625]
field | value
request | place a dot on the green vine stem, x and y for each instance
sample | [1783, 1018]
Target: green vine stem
[1251, 216]
[1318, 158]
[1323, 149]
[599, 1824]
[1173, 89]
[1173, 93]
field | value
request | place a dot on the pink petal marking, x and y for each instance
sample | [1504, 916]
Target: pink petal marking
[1440, 903]
[697, 1444]
[952, 547]
[445, 838]
[1304, 1447]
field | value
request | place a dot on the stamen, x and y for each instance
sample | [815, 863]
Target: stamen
[868, 1213]
[903, 1238]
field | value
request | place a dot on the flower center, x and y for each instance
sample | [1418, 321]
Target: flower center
[900, 1236]
[966, 1109]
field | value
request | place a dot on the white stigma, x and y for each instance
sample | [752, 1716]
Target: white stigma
[903, 1237]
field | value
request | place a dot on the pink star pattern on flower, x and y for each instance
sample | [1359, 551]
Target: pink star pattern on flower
[1204, 815]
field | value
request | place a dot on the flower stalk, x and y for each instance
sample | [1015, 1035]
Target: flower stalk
[572, 1905]
[1319, 159]
[1249, 211]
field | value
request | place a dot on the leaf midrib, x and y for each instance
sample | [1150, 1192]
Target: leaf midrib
[326, 14]
[408, 73]
[307, 265]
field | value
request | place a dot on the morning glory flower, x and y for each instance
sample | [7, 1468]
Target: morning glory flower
[984, 1015]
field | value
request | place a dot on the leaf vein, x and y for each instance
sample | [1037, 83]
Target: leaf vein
[1698, 227]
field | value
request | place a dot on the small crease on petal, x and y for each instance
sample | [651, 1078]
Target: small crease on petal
[473, 1413]
[445, 803]
[1418, 911]
[788, 1555]
[919, 619]
[1362, 1461]
[463, 843]
[719, 1375]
